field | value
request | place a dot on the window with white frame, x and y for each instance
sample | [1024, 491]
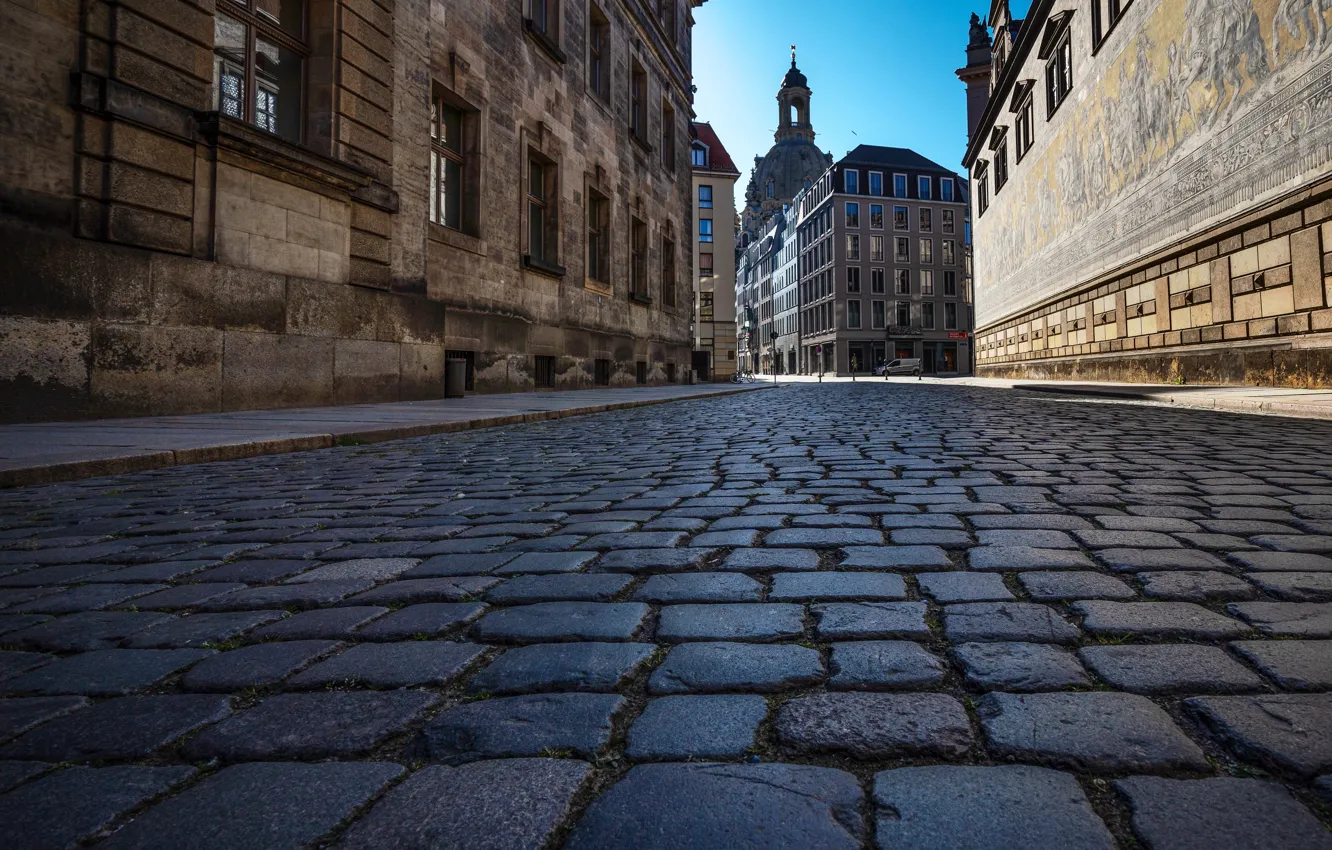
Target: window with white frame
[705, 197]
[950, 284]
[899, 185]
[853, 215]
[926, 252]
[946, 189]
[852, 247]
[853, 315]
[927, 315]
[901, 219]
[923, 186]
[926, 282]
[902, 249]
[705, 230]
[876, 249]
[876, 281]
[876, 183]
[876, 216]
[877, 315]
[903, 311]
[926, 220]
[853, 279]
[949, 252]
[851, 181]
[901, 281]
[950, 316]
[946, 221]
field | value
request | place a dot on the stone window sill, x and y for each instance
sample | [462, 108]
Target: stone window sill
[457, 239]
[646, 148]
[545, 42]
[640, 299]
[540, 266]
[597, 286]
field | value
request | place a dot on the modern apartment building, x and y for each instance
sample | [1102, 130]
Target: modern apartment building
[715, 174]
[883, 271]
[786, 293]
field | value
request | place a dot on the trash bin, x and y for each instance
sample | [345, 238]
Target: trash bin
[455, 377]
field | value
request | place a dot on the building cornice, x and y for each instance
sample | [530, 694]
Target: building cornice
[1028, 37]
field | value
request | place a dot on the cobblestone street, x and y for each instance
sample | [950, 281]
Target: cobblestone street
[821, 616]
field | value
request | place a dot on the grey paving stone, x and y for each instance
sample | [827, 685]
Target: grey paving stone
[64, 574]
[652, 560]
[546, 562]
[1020, 667]
[324, 623]
[1295, 619]
[597, 587]
[1169, 668]
[1059, 521]
[75, 804]
[258, 666]
[1190, 586]
[427, 620]
[1145, 560]
[15, 773]
[421, 590]
[107, 672]
[1295, 542]
[293, 597]
[1106, 539]
[201, 630]
[915, 520]
[978, 808]
[1053, 586]
[562, 667]
[1302, 562]
[894, 558]
[20, 715]
[14, 663]
[1010, 558]
[391, 665]
[947, 538]
[1033, 538]
[559, 621]
[1286, 732]
[635, 540]
[1199, 814]
[255, 572]
[735, 537]
[668, 806]
[521, 726]
[442, 566]
[730, 622]
[89, 597]
[881, 665]
[791, 587]
[184, 596]
[699, 587]
[1007, 621]
[492, 805]
[358, 569]
[121, 728]
[1097, 732]
[823, 538]
[1300, 665]
[763, 560]
[1323, 788]
[725, 667]
[82, 632]
[260, 805]
[874, 726]
[1156, 619]
[696, 727]
[963, 586]
[332, 724]
[1297, 587]
[870, 620]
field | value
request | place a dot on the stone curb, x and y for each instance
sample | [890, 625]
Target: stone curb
[1200, 401]
[78, 469]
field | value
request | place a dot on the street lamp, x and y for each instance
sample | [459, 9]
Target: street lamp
[774, 357]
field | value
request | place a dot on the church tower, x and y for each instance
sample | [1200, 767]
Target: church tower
[793, 106]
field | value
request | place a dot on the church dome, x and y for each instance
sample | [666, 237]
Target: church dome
[794, 79]
[787, 165]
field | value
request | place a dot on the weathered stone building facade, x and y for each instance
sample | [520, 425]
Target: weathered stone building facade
[272, 203]
[1152, 192]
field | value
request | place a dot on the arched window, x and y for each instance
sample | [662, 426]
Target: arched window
[772, 192]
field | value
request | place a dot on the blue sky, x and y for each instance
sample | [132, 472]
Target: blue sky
[881, 72]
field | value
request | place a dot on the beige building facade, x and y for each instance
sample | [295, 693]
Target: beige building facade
[1152, 192]
[714, 256]
[274, 203]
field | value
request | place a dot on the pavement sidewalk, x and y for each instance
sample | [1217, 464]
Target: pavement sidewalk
[44, 452]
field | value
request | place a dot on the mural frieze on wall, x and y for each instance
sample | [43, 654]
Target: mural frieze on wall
[1210, 108]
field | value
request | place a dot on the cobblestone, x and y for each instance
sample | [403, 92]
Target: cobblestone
[1220, 812]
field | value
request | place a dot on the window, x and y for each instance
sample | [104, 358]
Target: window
[667, 136]
[876, 183]
[876, 281]
[902, 250]
[705, 230]
[1001, 165]
[598, 53]
[926, 252]
[926, 220]
[946, 220]
[598, 236]
[601, 375]
[545, 371]
[771, 190]
[876, 249]
[1022, 128]
[1105, 14]
[667, 13]
[705, 306]
[982, 178]
[853, 279]
[447, 165]
[901, 281]
[923, 188]
[853, 215]
[876, 216]
[899, 186]
[638, 259]
[705, 266]
[705, 197]
[950, 316]
[900, 221]
[877, 317]
[1058, 75]
[667, 272]
[950, 284]
[949, 252]
[853, 315]
[544, 16]
[851, 180]
[259, 54]
[542, 198]
[903, 311]
[927, 315]
[926, 282]
[698, 155]
[946, 189]
[852, 247]
[638, 102]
